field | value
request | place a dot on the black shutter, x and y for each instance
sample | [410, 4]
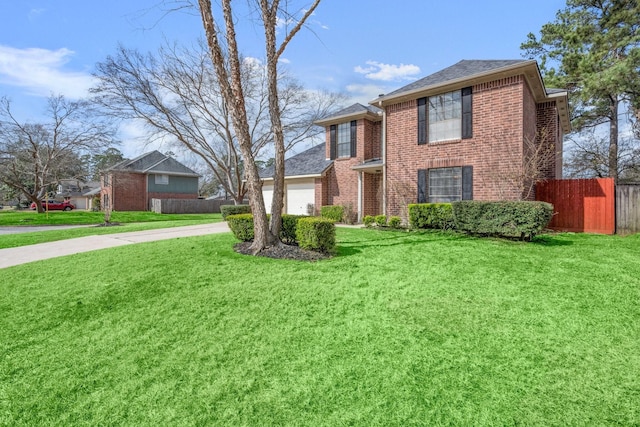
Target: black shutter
[422, 186]
[422, 121]
[332, 142]
[354, 137]
[467, 117]
[467, 183]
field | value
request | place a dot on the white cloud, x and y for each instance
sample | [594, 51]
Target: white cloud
[41, 72]
[364, 93]
[388, 72]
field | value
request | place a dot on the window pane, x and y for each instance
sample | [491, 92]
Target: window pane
[445, 117]
[445, 185]
[344, 140]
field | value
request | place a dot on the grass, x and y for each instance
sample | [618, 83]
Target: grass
[130, 221]
[399, 329]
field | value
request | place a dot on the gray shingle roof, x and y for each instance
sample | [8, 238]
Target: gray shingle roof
[310, 162]
[464, 69]
[353, 110]
[154, 162]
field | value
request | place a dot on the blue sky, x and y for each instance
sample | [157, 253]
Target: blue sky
[361, 48]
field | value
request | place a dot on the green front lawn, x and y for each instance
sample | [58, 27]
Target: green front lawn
[129, 221]
[398, 329]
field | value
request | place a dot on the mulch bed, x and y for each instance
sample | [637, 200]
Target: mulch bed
[282, 251]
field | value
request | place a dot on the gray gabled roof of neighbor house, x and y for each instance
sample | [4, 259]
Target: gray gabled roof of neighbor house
[467, 68]
[154, 162]
[308, 163]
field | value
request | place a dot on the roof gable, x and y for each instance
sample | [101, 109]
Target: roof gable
[353, 112]
[467, 68]
[154, 162]
[310, 162]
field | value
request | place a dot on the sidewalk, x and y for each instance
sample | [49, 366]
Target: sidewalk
[24, 254]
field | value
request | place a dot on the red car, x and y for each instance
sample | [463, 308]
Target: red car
[54, 205]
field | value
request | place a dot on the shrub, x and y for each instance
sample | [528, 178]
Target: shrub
[431, 215]
[381, 220]
[509, 219]
[332, 212]
[368, 221]
[227, 210]
[395, 221]
[318, 234]
[289, 226]
[242, 226]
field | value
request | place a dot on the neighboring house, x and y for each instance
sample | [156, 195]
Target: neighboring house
[469, 131]
[304, 183]
[130, 185]
[78, 192]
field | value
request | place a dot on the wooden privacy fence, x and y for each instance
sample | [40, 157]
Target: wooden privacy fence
[582, 205]
[167, 206]
[627, 208]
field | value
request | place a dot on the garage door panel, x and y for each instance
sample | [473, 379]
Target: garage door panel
[299, 196]
[267, 195]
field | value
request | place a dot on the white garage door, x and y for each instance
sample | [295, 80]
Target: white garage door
[267, 195]
[299, 196]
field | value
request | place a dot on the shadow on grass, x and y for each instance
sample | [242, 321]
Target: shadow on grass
[376, 238]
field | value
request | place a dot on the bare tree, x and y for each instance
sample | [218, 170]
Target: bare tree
[226, 60]
[34, 156]
[588, 156]
[175, 93]
[520, 171]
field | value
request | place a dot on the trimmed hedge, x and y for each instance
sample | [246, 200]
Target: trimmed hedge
[241, 226]
[227, 210]
[368, 221]
[431, 215]
[394, 222]
[380, 220]
[332, 212]
[289, 227]
[520, 219]
[317, 234]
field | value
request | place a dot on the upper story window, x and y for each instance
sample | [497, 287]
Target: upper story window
[343, 139]
[162, 179]
[445, 117]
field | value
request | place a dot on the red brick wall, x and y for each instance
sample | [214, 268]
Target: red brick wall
[129, 192]
[371, 194]
[550, 133]
[498, 128]
[342, 181]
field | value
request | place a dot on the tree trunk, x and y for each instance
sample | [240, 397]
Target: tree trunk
[613, 139]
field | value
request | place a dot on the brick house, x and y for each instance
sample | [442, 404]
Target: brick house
[479, 130]
[130, 185]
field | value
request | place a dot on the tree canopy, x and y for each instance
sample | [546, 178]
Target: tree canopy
[592, 49]
[34, 156]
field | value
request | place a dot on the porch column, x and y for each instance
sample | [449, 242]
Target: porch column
[359, 196]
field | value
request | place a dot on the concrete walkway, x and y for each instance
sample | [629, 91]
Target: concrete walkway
[24, 254]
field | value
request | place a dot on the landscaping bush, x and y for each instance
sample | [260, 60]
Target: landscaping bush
[368, 221]
[381, 220]
[318, 234]
[509, 219]
[241, 226]
[431, 215]
[289, 226]
[332, 212]
[394, 221]
[227, 210]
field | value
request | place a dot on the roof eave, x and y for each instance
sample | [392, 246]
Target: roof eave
[533, 77]
[374, 117]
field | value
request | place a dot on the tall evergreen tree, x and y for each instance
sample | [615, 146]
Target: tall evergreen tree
[593, 50]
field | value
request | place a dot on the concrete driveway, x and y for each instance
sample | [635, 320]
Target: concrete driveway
[24, 254]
